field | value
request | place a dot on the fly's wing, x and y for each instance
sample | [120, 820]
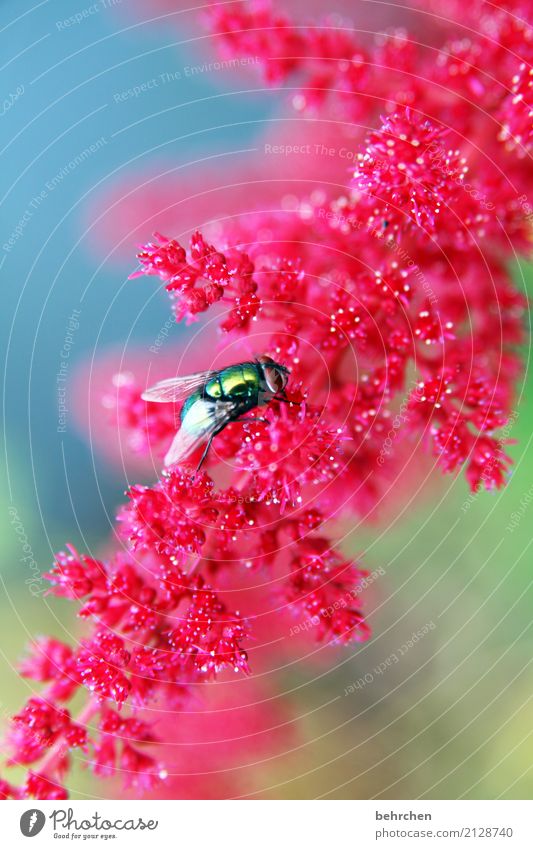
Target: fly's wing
[176, 389]
[202, 421]
[183, 445]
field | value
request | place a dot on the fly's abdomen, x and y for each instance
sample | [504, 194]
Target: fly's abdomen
[190, 402]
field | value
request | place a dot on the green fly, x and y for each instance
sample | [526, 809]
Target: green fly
[213, 399]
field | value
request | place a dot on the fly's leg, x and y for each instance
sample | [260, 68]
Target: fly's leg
[204, 455]
[209, 441]
[286, 401]
[283, 398]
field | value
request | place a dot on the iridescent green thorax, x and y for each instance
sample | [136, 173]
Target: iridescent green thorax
[234, 382]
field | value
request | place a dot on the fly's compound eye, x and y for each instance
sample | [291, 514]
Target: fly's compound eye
[276, 379]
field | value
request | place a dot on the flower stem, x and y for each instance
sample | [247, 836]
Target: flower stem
[53, 758]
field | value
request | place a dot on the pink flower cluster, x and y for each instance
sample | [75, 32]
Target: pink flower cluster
[392, 304]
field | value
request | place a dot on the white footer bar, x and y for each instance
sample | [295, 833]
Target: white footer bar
[268, 824]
